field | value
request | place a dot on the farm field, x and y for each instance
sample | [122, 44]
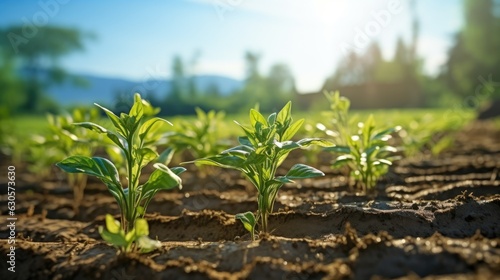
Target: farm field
[435, 214]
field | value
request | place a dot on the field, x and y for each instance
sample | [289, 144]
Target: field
[435, 215]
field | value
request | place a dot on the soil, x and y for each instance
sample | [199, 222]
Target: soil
[433, 217]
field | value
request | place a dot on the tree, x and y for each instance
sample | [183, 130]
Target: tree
[475, 52]
[192, 88]
[179, 82]
[372, 59]
[11, 85]
[37, 57]
[349, 72]
[254, 88]
[280, 87]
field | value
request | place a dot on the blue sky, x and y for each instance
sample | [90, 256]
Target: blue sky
[137, 39]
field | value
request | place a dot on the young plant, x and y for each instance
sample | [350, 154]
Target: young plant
[266, 144]
[136, 239]
[135, 135]
[367, 153]
[69, 139]
[201, 137]
[339, 116]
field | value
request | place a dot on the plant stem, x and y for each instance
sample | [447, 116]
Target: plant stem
[131, 191]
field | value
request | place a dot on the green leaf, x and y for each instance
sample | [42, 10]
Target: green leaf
[166, 156]
[302, 171]
[282, 180]
[178, 170]
[250, 134]
[339, 149]
[130, 123]
[149, 110]
[141, 227]
[370, 150]
[383, 161]
[116, 239]
[95, 166]
[161, 179]
[117, 123]
[343, 159]
[244, 141]
[99, 167]
[147, 244]
[368, 127]
[225, 161]
[271, 119]
[112, 225]
[116, 138]
[255, 159]
[137, 109]
[240, 151]
[306, 142]
[285, 114]
[248, 220]
[380, 135]
[287, 145]
[130, 236]
[256, 117]
[292, 130]
[151, 125]
[146, 155]
[92, 126]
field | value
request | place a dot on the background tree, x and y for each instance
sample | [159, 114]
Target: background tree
[179, 87]
[254, 88]
[193, 90]
[280, 88]
[36, 58]
[11, 98]
[475, 52]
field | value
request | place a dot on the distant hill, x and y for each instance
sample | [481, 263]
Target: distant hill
[104, 89]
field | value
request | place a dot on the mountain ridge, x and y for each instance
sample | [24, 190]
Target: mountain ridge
[103, 89]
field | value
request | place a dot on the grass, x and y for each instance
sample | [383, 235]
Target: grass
[25, 126]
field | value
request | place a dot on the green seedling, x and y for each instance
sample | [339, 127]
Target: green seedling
[118, 157]
[367, 153]
[136, 136]
[266, 144]
[61, 140]
[249, 222]
[201, 137]
[339, 116]
[137, 239]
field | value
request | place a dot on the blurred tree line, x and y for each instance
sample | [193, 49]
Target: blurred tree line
[472, 71]
[470, 76]
[268, 91]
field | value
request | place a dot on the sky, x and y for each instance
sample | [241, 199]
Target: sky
[137, 39]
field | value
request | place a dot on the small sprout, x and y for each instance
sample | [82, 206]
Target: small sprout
[201, 137]
[249, 222]
[135, 239]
